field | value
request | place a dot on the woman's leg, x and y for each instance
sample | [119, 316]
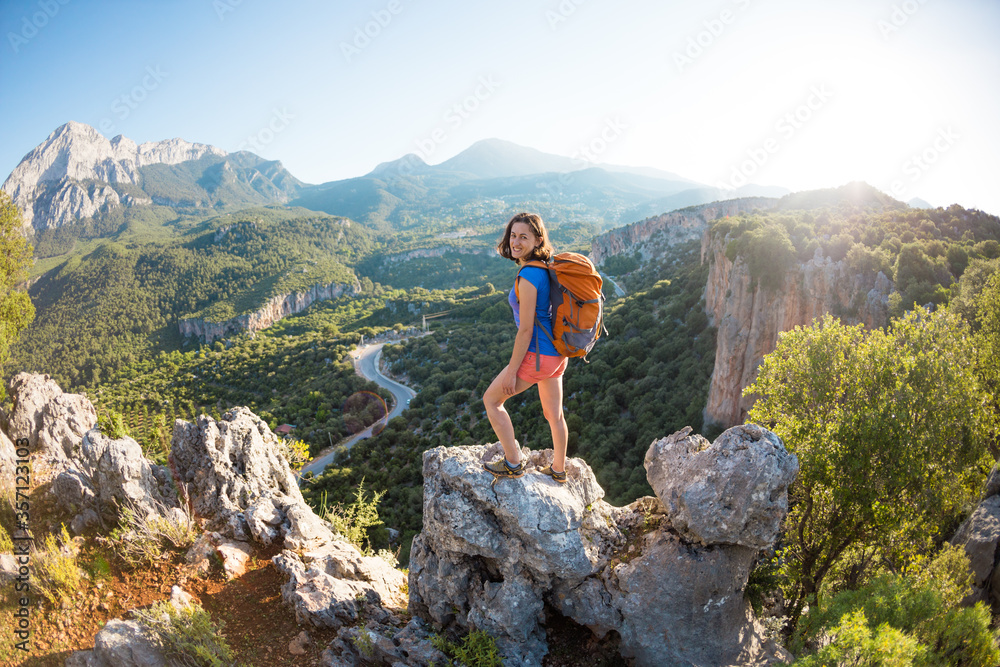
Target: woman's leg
[551, 394]
[493, 399]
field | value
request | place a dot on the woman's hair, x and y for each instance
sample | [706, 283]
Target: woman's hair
[543, 252]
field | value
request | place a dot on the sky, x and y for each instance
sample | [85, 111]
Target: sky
[902, 94]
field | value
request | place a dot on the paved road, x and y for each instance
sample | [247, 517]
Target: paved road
[366, 362]
[618, 289]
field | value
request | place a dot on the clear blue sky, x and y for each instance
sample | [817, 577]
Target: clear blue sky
[798, 93]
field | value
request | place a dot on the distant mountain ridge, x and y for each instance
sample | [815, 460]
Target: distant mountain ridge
[77, 173]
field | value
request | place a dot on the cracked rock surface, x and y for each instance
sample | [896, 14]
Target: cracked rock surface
[490, 556]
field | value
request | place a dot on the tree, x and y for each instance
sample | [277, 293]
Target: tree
[889, 428]
[16, 309]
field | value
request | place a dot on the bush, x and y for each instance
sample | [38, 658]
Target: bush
[903, 620]
[142, 540]
[187, 635]
[476, 649]
[354, 520]
[57, 575]
[112, 425]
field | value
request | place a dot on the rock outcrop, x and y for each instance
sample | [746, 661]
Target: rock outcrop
[276, 308]
[979, 535]
[684, 470]
[652, 235]
[242, 487]
[748, 317]
[53, 422]
[493, 556]
[53, 184]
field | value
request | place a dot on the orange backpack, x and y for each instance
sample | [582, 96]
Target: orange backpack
[577, 303]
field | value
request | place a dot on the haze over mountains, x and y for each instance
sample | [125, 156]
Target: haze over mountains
[76, 173]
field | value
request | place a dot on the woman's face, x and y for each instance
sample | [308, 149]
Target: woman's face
[522, 240]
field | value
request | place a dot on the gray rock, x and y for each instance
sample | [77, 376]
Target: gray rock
[53, 422]
[733, 491]
[490, 556]
[319, 598]
[979, 535]
[384, 645]
[672, 595]
[229, 465]
[120, 644]
[8, 456]
[83, 521]
[121, 475]
[235, 556]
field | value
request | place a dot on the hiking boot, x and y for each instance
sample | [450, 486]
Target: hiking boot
[500, 469]
[558, 476]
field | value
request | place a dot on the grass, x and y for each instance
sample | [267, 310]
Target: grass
[188, 635]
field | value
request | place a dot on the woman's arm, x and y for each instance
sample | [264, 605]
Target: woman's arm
[528, 295]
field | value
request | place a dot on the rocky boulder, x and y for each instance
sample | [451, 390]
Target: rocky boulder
[229, 464]
[979, 535]
[732, 491]
[500, 557]
[53, 422]
[239, 482]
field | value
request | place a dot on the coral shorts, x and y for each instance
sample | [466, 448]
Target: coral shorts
[548, 367]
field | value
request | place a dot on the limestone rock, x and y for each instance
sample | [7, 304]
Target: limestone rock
[732, 491]
[979, 535]
[748, 318]
[274, 309]
[53, 422]
[120, 644]
[384, 644]
[298, 645]
[490, 556]
[235, 556]
[318, 598]
[119, 472]
[228, 465]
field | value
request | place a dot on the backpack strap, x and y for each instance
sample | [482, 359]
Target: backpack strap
[537, 325]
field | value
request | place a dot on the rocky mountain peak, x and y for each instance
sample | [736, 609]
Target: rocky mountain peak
[45, 185]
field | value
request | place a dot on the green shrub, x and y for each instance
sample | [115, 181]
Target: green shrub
[354, 520]
[913, 619]
[143, 540]
[57, 575]
[476, 649]
[186, 635]
[112, 425]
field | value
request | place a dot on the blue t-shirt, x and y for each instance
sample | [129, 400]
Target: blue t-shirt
[540, 343]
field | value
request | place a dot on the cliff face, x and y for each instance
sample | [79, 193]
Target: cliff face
[670, 228]
[749, 319]
[276, 308]
[46, 184]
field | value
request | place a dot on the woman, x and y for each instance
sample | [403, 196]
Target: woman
[534, 359]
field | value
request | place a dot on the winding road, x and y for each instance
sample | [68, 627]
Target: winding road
[366, 362]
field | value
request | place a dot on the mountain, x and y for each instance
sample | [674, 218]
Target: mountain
[406, 193]
[495, 158]
[78, 173]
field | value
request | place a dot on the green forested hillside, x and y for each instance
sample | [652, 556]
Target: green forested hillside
[122, 300]
[923, 251]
